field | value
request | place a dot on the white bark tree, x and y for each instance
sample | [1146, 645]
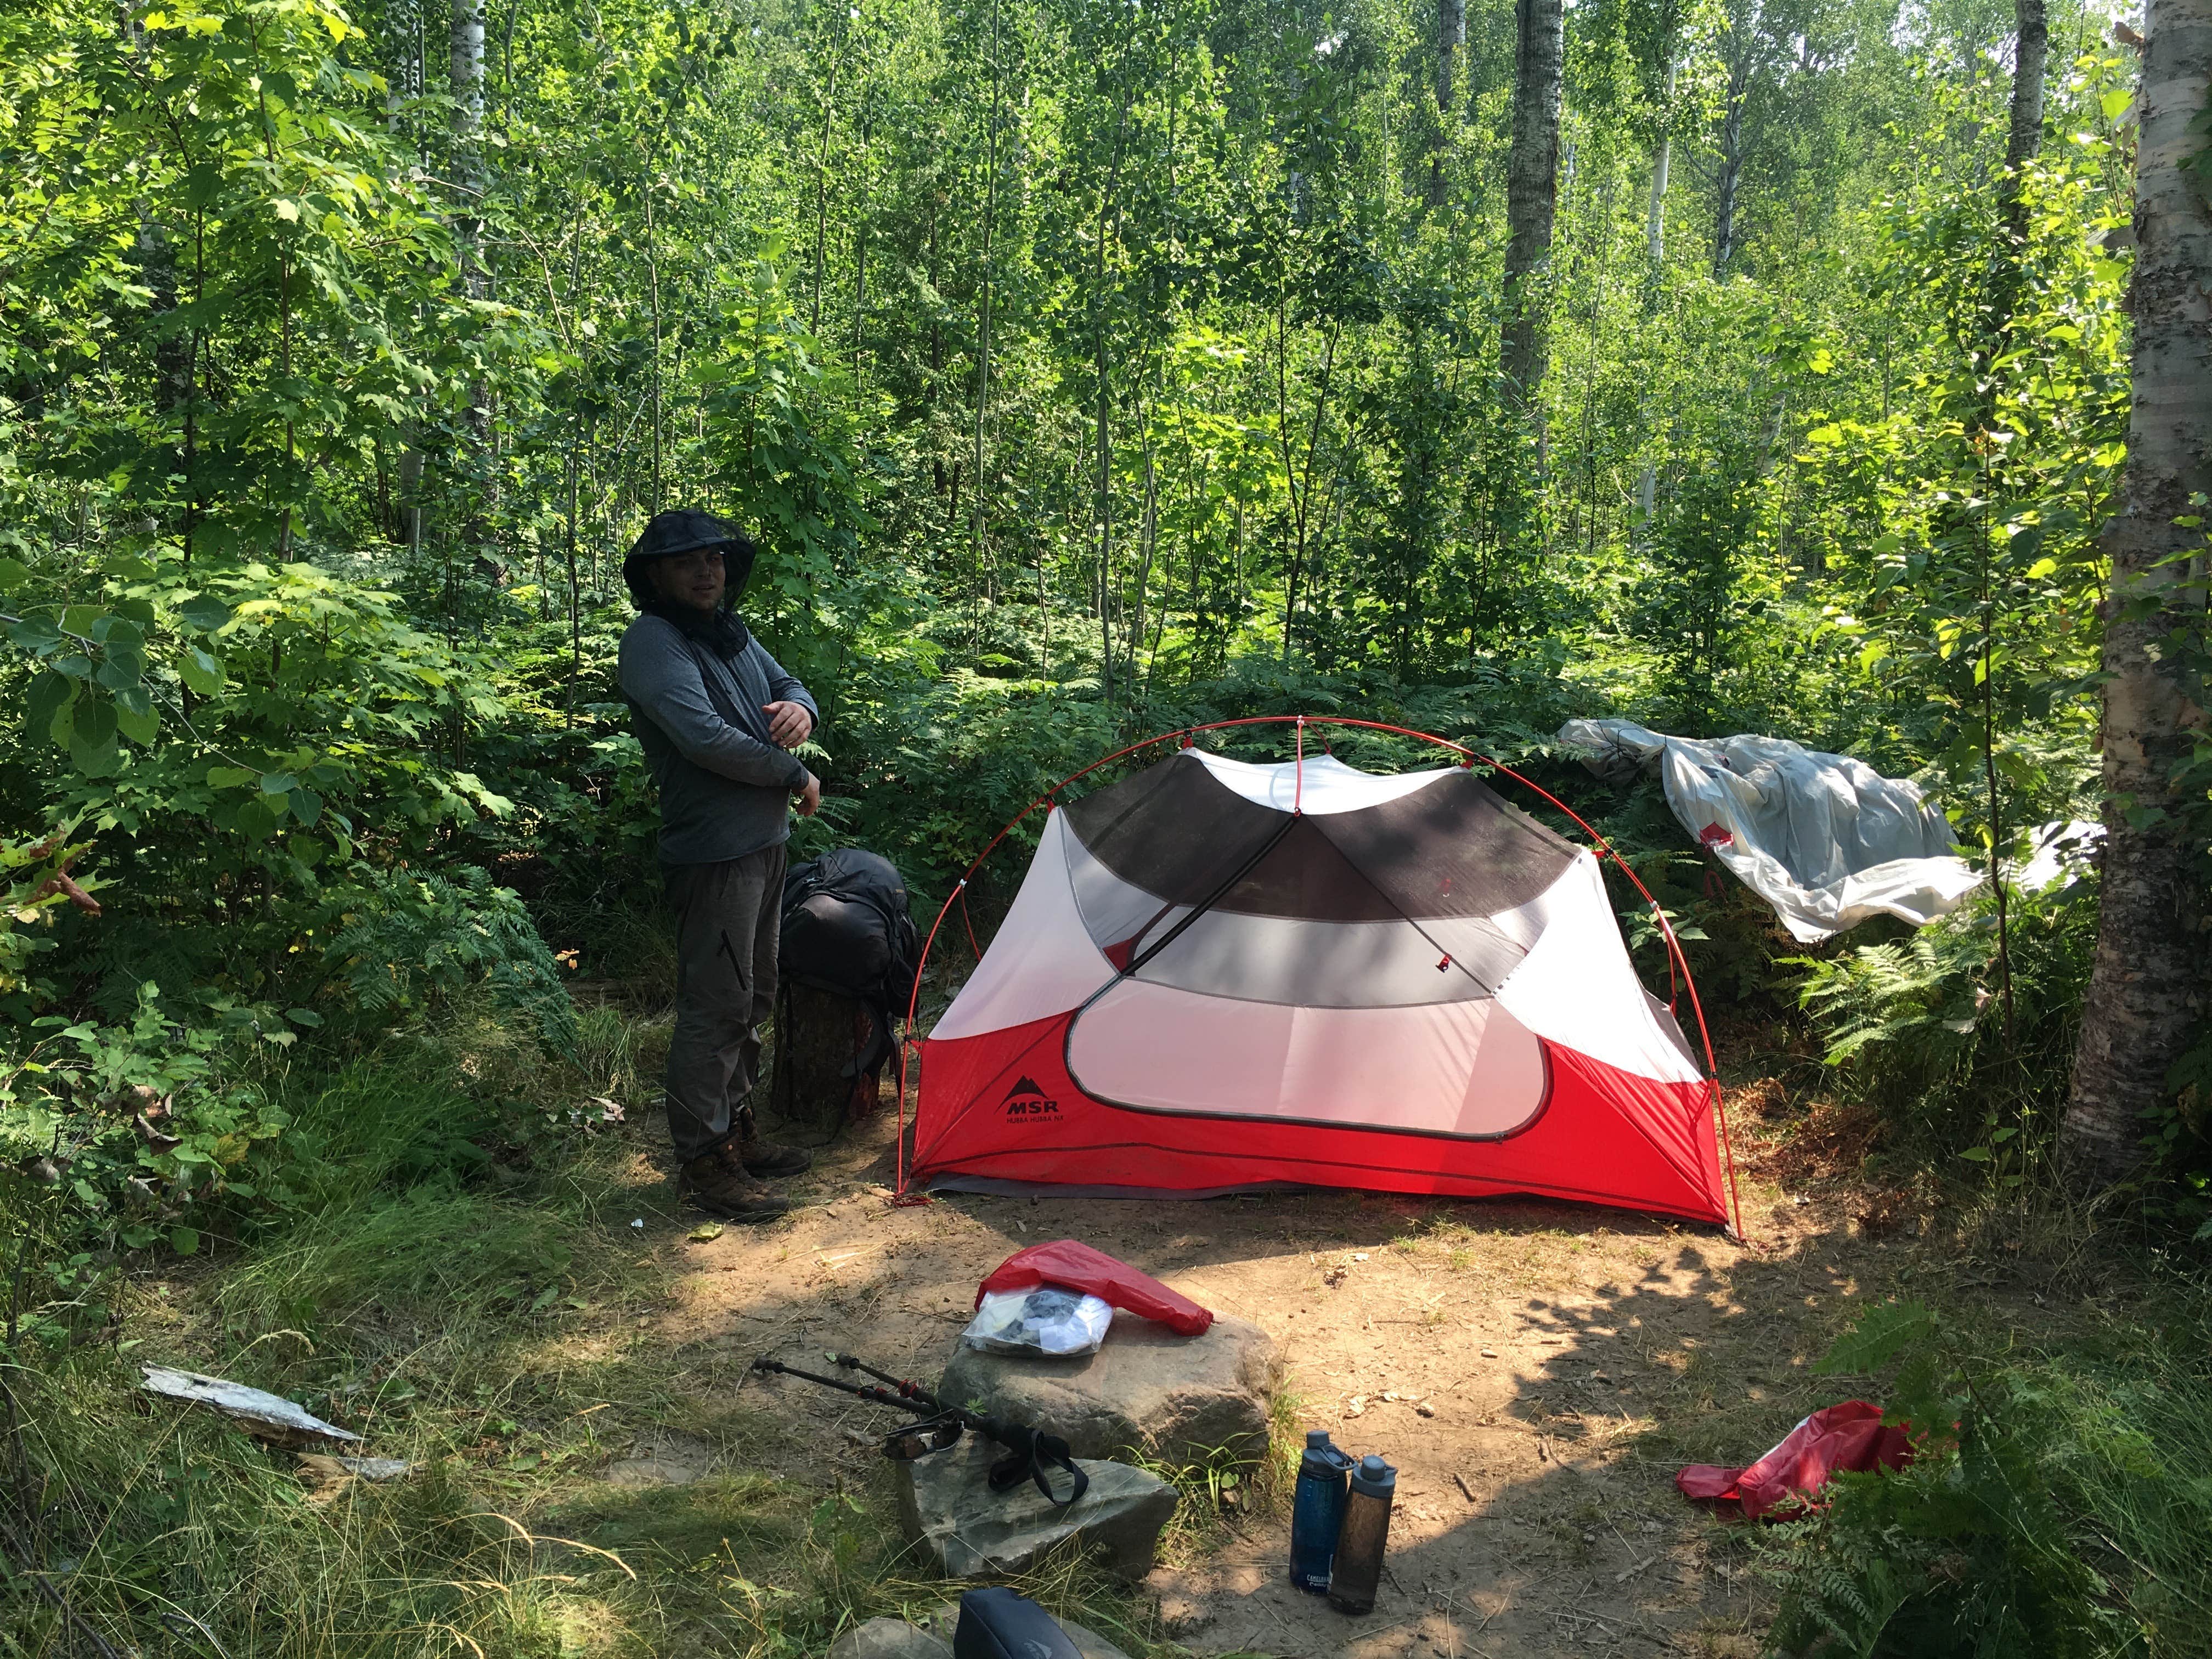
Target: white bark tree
[2148, 983]
[1532, 185]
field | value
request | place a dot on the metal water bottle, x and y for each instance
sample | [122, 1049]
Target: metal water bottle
[1316, 1511]
[1357, 1568]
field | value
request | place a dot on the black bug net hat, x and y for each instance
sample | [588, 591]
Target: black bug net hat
[686, 529]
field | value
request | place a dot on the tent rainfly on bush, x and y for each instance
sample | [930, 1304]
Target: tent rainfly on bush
[1221, 977]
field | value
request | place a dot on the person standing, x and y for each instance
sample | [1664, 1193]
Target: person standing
[717, 717]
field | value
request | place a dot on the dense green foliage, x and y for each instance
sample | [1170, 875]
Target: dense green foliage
[1085, 371]
[2052, 1506]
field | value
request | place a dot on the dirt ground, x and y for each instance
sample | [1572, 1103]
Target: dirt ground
[1536, 1371]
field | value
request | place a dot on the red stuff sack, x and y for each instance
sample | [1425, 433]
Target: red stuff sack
[1076, 1267]
[1851, 1436]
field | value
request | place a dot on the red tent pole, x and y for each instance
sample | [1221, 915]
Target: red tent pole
[1676, 960]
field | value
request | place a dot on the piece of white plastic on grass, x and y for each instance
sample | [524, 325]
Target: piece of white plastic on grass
[264, 1415]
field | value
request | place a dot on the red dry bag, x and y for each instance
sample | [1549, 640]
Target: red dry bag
[1076, 1267]
[1851, 1436]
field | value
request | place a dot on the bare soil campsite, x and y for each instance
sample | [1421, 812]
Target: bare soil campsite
[1537, 1372]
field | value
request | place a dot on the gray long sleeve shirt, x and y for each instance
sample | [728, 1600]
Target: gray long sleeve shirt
[725, 787]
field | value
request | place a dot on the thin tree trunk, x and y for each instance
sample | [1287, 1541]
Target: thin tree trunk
[1298, 482]
[1727, 179]
[653, 285]
[1107, 216]
[1531, 181]
[1655, 220]
[2148, 987]
[983, 301]
[1655, 249]
[1451, 40]
[465, 82]
[2023, 138]
[861, 230]
[575, 597]
[2031, 47]
[1044, 620]
[822, 191]
[1148, 535]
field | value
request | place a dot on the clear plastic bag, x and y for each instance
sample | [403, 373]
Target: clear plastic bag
[1045, 1320]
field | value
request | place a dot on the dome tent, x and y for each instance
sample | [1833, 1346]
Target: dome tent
[1219, 976]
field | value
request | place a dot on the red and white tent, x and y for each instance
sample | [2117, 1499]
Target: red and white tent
[1220, 975]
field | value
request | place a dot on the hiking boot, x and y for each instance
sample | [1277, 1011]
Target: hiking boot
[764, 1158]
[717, 1183]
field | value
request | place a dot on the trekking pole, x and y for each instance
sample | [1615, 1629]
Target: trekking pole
[907, 1389]
[938, 1429]
[922, 1405]
[1031, 1452]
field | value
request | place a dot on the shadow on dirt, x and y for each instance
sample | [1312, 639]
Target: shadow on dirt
[1573, 1360]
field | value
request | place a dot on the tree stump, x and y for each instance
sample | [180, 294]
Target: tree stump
[819, 1035]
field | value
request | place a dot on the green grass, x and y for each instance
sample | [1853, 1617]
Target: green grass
[461, 1283]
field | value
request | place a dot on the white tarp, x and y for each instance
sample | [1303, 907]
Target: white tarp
[1824, 839]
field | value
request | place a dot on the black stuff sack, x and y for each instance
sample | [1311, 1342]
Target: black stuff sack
[997, 1624]
[846, 930]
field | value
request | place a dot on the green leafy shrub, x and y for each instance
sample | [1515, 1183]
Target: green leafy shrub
[140, 1128]
[404, 937]
[1918, 1026]
[2052, 1508]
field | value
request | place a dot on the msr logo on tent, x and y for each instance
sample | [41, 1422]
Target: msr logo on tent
[1026, 1100]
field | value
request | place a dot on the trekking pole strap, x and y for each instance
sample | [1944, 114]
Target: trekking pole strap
[1029, 1454]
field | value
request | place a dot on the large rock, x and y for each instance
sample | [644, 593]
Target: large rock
[947, 1506]
[890, 1639]
[1181, 1400]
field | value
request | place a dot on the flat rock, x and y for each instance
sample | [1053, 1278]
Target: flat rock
[890, 1639]
[1181, 1400]
[946, 1620]
[947, 1506]
[668, 1460]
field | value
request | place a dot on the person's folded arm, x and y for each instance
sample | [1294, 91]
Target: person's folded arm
[667, 686]
[783, 686]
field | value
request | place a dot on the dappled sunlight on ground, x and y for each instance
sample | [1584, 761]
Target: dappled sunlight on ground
[1536, 1371]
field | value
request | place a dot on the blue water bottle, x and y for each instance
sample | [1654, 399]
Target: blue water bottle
[1316, 1511]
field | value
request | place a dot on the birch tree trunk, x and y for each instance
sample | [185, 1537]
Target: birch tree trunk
[1728, 173]
[1532, 182]
[1655, 224]
[2031, 48]
[1451, 40]
[983, 304]
[1655, 249]
[465, 81]
[2148, 987]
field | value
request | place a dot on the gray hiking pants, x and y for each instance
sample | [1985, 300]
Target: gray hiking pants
[727, 919]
